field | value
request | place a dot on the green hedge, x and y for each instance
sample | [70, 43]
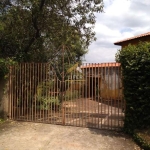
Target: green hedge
[135, 63]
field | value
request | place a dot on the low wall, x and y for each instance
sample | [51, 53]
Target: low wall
[3, 99]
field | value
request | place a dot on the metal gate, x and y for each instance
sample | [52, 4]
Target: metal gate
[88, 95]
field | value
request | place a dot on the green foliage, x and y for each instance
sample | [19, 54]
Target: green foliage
[141, 141]
[33, 30]
[1, 120]
[45, 103]
[4, 66]
[44, 100]
[44, 87]
[135, 63]
[71, 95]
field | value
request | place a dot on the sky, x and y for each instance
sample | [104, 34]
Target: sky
[121, 19]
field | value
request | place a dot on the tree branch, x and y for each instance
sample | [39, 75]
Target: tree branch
[37, 34]
[42, 4]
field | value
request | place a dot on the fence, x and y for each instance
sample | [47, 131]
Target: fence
[89, 95]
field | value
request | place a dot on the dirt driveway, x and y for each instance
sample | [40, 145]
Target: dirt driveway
[38, 136]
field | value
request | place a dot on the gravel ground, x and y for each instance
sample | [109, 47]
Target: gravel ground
[37, 136]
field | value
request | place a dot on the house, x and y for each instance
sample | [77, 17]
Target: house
[134, 40]
[103, 80]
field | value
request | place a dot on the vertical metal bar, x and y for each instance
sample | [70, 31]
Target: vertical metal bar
[74, 99]
[98, 95]
[81, 94]
[27, 69]
[109, 92]
[25, 92]
[95, 94]
[35, 95]
[53, 95]
[91, 96]
[14, 108]
[117, 75]
[40, 92]
[51, 80]
[18, 88]
[115, 95]
[77, 100]
[49, 83]
[63, 69]
[60, 95]
[32, 84]
[43, 87]
[121, 96]
[112, 113]
[38, 97]
[86, 94]
[13, 79]
[58, 106]
[123, 103]
[106, 94]
[65, 102]
[46, 92]
[14, 95]
[102, 89]
[21, 97]
[10, 93]
[30, 91]
[22, 85]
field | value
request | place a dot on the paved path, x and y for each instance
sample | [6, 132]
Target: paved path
[38, 136]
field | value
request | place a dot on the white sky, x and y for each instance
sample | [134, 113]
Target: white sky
[121, 19]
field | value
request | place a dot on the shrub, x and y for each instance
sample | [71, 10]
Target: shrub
[46, 103]
[135, 63]
[4, 66]
[71, 95]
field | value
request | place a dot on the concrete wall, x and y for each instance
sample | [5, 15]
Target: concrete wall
[3, 98]
[107, 80]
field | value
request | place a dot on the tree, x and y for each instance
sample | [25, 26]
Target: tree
[34, 30]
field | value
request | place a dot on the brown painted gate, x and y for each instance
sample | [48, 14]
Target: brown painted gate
[89, 95]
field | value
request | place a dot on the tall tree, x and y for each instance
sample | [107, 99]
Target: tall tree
[34, 30]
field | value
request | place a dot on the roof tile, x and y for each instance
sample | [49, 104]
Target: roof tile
[113, 64]
[135, 37]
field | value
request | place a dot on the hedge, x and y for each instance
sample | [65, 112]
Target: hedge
[135, 63]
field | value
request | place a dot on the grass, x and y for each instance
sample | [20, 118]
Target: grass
[145, 135]
[142, 137]
[1, 120]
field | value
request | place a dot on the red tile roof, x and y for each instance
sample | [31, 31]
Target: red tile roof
[135, 37]
[100, 65]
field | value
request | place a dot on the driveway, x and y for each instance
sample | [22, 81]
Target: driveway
[37, 136]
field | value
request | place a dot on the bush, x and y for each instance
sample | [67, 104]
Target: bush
[4, 66]
[135, 63]
[46, 103]
[71, 95]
